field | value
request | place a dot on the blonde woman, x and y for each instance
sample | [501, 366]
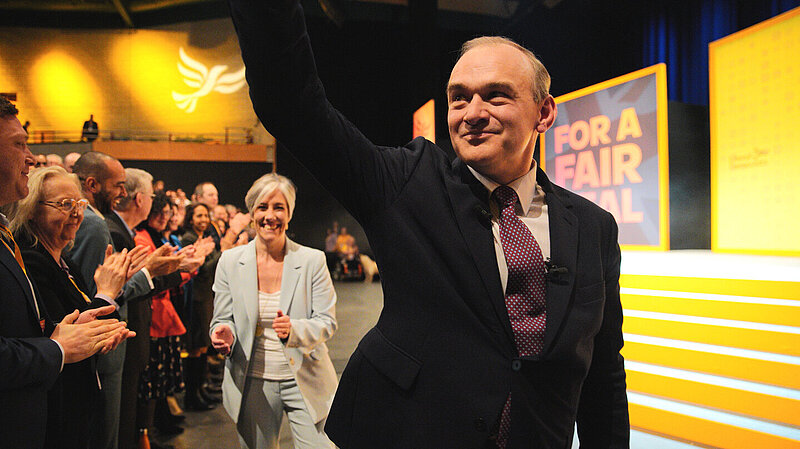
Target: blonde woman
[274, 308]
[44, 224]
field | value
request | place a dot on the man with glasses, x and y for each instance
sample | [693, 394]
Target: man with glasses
[122, 221]
[33, 350]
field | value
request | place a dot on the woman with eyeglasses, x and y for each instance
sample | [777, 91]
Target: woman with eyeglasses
[44, 224]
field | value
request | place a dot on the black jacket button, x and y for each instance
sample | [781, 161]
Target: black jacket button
[480, 424]
[516, 365]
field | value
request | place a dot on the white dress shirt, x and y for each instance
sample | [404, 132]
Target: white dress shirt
[531, 209]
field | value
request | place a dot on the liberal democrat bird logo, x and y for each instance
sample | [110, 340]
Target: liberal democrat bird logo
[197, 76]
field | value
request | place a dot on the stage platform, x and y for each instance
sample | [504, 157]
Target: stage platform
[712, 347]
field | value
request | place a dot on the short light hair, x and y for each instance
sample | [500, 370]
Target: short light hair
[199, 188]
[54, 159]
[265, 185]
[541, 78]
[136, 180]
[22, 214]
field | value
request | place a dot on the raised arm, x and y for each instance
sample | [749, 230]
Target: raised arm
[290, 100]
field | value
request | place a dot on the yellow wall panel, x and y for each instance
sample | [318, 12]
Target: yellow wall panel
[754, 87]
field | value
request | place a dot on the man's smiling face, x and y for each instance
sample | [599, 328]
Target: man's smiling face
[16, 160]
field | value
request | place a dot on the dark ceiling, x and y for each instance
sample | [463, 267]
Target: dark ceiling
[146, 13]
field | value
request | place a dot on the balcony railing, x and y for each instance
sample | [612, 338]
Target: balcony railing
[231, 134]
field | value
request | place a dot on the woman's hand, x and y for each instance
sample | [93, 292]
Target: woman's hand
[282, 325]
[112, 275]
[222, 339]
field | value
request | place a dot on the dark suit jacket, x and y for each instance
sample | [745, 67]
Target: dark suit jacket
[441, 361]
[29, 361]
[139, 313]
[73, 399]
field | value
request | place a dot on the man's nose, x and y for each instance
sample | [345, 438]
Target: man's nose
[29, 158]
[124, 192]
[475, 112]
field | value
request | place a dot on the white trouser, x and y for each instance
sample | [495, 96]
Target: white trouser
[260, 420]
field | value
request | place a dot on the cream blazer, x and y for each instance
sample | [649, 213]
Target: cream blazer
[307, 297]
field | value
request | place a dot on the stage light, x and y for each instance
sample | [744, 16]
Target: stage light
[65, 91]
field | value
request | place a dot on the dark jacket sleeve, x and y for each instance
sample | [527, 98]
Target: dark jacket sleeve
[292, 104]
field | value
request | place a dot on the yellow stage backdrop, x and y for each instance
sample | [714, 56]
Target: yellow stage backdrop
[755, 138]
[185, 79]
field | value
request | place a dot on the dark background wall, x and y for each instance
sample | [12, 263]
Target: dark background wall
[383, 62]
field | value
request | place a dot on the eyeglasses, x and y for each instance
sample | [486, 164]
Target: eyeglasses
[166, 213]
[67, 204]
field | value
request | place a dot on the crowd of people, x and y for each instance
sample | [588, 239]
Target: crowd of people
[120, 248]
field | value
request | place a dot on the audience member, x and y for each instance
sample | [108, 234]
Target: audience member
[281, 364]
[346, 244]
[103, 184]
[163, 373]
[41, 161]
[127, 214]
[54, 159]
[33, 349]
[197, 226]
[331, 256]
[158, 186]
[44, 223]
[70, 159]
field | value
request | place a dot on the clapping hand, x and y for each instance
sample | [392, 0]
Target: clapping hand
[162, 262]
[113, 273]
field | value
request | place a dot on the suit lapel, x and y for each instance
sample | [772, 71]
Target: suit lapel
[468, 198]
[248, 267]
[13, 266]
[291, 274]
[113, 217]
[563, 253]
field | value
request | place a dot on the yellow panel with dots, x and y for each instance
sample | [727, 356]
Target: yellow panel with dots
[754, 81]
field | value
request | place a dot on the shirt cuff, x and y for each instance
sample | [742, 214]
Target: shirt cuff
[149, 278]
[60, 348]
[108, 299]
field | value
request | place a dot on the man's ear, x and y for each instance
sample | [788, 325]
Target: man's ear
[547, 114]
[92, 184]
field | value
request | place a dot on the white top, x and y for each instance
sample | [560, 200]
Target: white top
[269, 361]
[531, 209]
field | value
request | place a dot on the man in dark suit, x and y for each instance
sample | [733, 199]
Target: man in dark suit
[502, 320]
[103, 181]
[32, 349]
[90, 129]
[121, 221]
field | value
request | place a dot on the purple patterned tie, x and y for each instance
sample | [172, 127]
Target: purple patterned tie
[525, 289]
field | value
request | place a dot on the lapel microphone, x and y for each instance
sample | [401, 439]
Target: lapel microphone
[555, 273]
[484, 216]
